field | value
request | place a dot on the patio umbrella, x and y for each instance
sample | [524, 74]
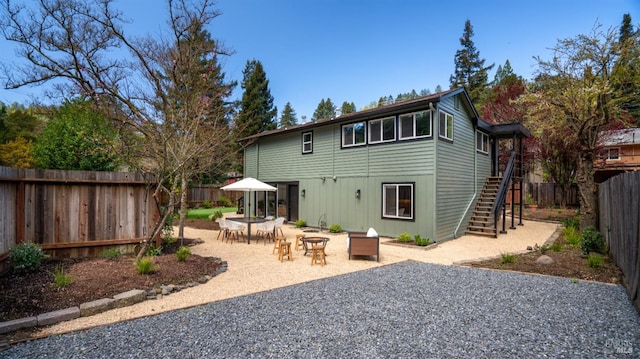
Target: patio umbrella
[249, 185]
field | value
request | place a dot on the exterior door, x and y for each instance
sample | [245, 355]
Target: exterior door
[292, 203]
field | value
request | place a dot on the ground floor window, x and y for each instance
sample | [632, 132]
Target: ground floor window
[397, 200]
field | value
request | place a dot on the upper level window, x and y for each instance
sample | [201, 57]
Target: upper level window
[353, 134]
[382, 130]
[397, 200]
[482, 142]
[307, 142]
[415, 125]
[445, 129]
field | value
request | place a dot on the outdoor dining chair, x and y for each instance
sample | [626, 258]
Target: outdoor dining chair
[265, 230]
[223, 228]
[278, 230]
[234, 230]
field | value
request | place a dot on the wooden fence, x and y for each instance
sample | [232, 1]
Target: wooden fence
[211, 193]
[546, 194]
[74, 213]
[619, 218]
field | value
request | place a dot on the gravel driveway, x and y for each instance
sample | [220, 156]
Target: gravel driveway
[404, 310]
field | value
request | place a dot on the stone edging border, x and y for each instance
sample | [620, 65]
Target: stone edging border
[101, 305]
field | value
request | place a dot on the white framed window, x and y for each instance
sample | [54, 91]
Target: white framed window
[445, 130]
[613, 154]
[397, 200]
[415, 125]
[382, 130]
[307, 142]
[482, 142]
[353, 134]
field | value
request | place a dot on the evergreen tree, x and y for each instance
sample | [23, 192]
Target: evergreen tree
[257, 112]
[288, 117]
[438, 89]
[347, 107]
[325, 109]
[470, 71]
[625, 76]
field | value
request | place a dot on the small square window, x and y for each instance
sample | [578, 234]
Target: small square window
[307, 142]
[353, 134]
[383, 130]
[613, 154]
[397, 200]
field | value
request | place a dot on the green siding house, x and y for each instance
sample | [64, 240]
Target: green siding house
[415, 166]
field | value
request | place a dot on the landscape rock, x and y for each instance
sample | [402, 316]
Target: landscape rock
[97, 306]
[58, 316]
[6, 327]
[544, 260]
[130, 297]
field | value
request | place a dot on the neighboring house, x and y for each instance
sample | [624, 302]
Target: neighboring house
[619, 153]
[416, 166]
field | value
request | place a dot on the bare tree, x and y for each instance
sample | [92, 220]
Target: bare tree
[169, 91]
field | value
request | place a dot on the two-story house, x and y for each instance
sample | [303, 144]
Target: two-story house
[619, 153]
[416, 166]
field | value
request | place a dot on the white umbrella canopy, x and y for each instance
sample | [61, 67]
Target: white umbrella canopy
[249, 184]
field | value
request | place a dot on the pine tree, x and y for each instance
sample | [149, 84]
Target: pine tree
[257, 112]
[347, 107]
[288, 117]
[625, 75]
[325, 109]
[470, 71]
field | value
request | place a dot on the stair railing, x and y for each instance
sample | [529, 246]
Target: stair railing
[502, 190]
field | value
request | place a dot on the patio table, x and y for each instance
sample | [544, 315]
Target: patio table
[248, 221]
[308, 241]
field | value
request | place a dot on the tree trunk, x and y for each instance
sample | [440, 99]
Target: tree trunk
[587, 191]
[184, 187]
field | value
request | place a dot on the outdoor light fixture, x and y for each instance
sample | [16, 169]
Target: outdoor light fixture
[323, 178]
[335, 178]
[358, 194]
[303, 193]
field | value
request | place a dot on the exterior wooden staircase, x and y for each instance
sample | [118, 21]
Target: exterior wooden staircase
[483, 221]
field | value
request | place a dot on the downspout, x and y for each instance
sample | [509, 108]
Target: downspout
[434, 198]
[475, 186]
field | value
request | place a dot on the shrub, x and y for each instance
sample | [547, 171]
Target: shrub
[335, 228]
[404, 237]
[111, 253]
[215, 215]
[573, 222]
[224, 202]
[556, 247]
[145, 266]
[301, 223]
[61, 278]
[572, 236]
[594, 260]
[507, 258]
[183, 253]
[170, 240]
[543, 249]
[421, 241]
[207, 204]
[26, 256]
[591, 241]
[153, 251]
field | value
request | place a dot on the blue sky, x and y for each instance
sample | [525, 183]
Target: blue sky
[359, 50]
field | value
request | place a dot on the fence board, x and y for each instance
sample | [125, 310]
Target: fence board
[619, 219]
[73, 209]
[212, 193]
[548, 194]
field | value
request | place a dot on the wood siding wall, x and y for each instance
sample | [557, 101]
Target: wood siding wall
[456, 162]
[620, 223]
[74, 213]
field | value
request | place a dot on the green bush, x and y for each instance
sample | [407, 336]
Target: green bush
[145, 266]
[556, 247]
[543, 249]
[224, 202]
[335, 228]
[183, 253]
[111, 253]
[594, 260]
[573, 222]
[591, 241]
[153, 251]
[169, 240]
[572, 236]
[26, 256]
[215, 215]
[61, 278]
[421, 241]
[404, 237]
[507, 258]
[301, 223]
[206, 204]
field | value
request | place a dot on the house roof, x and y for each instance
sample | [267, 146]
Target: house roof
[407, 105]
[627, 136]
